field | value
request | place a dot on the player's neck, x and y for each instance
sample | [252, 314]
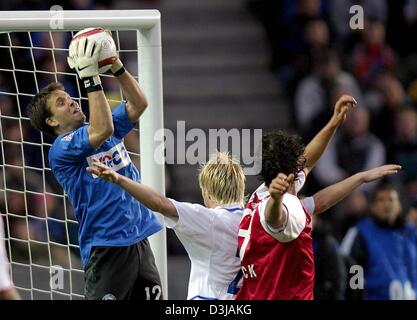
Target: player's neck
[211, 204]
[61, 130]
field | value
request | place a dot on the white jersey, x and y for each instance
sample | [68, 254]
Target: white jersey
[210, 238]
[5, 281]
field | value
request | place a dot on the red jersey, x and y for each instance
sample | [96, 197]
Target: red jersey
[276, 264]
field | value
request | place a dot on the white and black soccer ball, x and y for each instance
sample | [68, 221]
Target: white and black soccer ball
[108, 53]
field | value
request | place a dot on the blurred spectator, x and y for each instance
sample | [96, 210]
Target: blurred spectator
[403, 145]
[295, 41]
[284, 23]
[313, 92]
[316, 35]
[315, 41]
[411, 214]
[7, 107]
[352, 209]
[410, 19]
[353, 149]
[372, 55]
[410, 76]
[321, 118]
[385, 246]
[393, 99]
[330, 275]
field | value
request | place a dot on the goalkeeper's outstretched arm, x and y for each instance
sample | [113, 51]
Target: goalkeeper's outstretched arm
[144, 194]
[136, 99]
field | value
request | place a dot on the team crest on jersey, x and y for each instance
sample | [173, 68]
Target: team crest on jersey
[109, 296]
[116, 158]
[68, 137]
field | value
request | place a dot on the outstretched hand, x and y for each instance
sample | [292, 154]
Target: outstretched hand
[342, 107]
[380, 172]
[280, 185]
[104, 172]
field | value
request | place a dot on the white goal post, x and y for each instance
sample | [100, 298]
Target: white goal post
[148, 29]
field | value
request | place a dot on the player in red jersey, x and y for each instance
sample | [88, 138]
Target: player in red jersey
[275, 243]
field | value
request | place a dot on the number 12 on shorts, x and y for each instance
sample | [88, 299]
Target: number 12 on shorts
[155, 292]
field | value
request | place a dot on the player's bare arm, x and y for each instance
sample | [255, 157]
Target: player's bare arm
[274, 211]
[328, 197]
[318, 145]
[144, 194]
[136, 99]
[83, 56]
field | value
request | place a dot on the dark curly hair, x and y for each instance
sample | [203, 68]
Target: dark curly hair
[281, 153]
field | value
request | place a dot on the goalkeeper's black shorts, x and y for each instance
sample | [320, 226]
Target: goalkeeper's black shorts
[122, 273]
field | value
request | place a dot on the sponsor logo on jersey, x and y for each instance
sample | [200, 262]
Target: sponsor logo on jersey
[116, 158]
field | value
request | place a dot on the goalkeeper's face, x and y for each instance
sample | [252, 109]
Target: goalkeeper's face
[66, 114]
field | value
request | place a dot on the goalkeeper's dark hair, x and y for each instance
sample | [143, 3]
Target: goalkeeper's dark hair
[281, 153]
[38, 110]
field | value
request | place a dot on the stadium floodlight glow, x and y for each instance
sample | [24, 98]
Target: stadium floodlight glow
[147, 25]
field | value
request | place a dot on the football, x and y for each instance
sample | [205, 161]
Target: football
[108, 53]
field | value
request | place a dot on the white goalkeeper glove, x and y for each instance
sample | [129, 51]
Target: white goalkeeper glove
[83, 57]
[117, 67]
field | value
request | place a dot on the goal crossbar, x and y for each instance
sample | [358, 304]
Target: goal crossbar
[14, 21]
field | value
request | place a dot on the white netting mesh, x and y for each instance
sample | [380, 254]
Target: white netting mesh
[41, 230]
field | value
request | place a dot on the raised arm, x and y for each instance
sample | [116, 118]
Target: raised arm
[136, 99]
[328, 197]
[83, 56]
[144, 194]
[274, 211]
[318, 145]
[101, 123]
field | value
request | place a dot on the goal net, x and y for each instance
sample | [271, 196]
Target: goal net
[41, 229]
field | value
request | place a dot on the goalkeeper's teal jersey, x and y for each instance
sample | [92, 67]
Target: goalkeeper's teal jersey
[107, 214]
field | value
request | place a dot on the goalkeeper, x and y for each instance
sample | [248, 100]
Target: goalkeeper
[113, 226]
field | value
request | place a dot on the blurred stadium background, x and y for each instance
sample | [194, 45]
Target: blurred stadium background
[259, 64]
